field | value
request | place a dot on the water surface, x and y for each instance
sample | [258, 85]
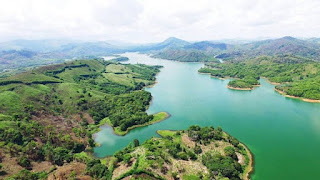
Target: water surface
[282, 133]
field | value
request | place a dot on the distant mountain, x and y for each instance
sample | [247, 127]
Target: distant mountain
[25, 53]
[170, 43]
[99, 48]
[206, 46]
[185, 55]
[34, 45]
[314, 40]
[282, 46]
[179, 50]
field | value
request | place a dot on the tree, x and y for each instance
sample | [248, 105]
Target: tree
[96, 169]
[12, 135]
[60, 155]
[136, 143]
[230, 151]
[197, 149]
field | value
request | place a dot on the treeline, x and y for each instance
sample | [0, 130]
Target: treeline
[299, 77]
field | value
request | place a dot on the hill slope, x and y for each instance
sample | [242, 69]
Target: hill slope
[196, 153]
[295, 76]
[273, 47]
[48, 115]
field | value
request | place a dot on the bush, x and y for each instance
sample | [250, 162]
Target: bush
[24, 162]
[197, 149]
[183, 156]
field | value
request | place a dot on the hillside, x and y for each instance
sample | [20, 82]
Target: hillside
[206, 46]
[15, 56]
[273, 47]
[196, 153]
[48, 115]
[294, 76]
[185, 55]
[170, 43]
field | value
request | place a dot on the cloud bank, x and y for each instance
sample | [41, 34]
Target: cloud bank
[154, 20]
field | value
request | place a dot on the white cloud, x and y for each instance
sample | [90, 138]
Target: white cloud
[155, 20]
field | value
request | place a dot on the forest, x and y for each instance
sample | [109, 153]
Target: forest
[294, 75]
[48, 115]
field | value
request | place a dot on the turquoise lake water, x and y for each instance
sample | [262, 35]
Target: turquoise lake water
[282, 133]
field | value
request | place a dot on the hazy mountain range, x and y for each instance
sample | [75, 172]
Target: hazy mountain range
[25, 53]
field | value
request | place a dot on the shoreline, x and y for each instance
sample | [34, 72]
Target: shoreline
[270, 82]
[249, 170]
[296, 97]
[122, 133]
[243, 89]
[152, 85]
[240, 89]
[215, 76]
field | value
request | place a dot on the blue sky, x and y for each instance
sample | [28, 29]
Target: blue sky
[143, 21]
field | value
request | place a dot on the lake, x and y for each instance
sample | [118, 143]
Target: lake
[282, 133]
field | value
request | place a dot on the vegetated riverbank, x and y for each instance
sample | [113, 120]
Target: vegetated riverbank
[249, 170]
[269, 81]
[160, 116]
[242, 89]
[296, 97]
[214, 76]
[228, 86]
[294, 75]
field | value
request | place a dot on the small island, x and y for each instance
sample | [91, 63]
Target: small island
[245, 84]
[160, 116]
[196, 153]
[119, 59]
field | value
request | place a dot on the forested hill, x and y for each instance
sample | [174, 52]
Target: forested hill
[295, 76]
[196, 153]
[48, 115]
[185, 55]
[273, 47]
[205, 51]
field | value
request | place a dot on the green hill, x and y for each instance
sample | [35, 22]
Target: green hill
[196, 153]
[273, 47]
[185, 55]
[295, 76]
[47, 115]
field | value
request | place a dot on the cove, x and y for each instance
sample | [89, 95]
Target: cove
[282, 133]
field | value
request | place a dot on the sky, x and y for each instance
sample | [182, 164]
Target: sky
[143, 21]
